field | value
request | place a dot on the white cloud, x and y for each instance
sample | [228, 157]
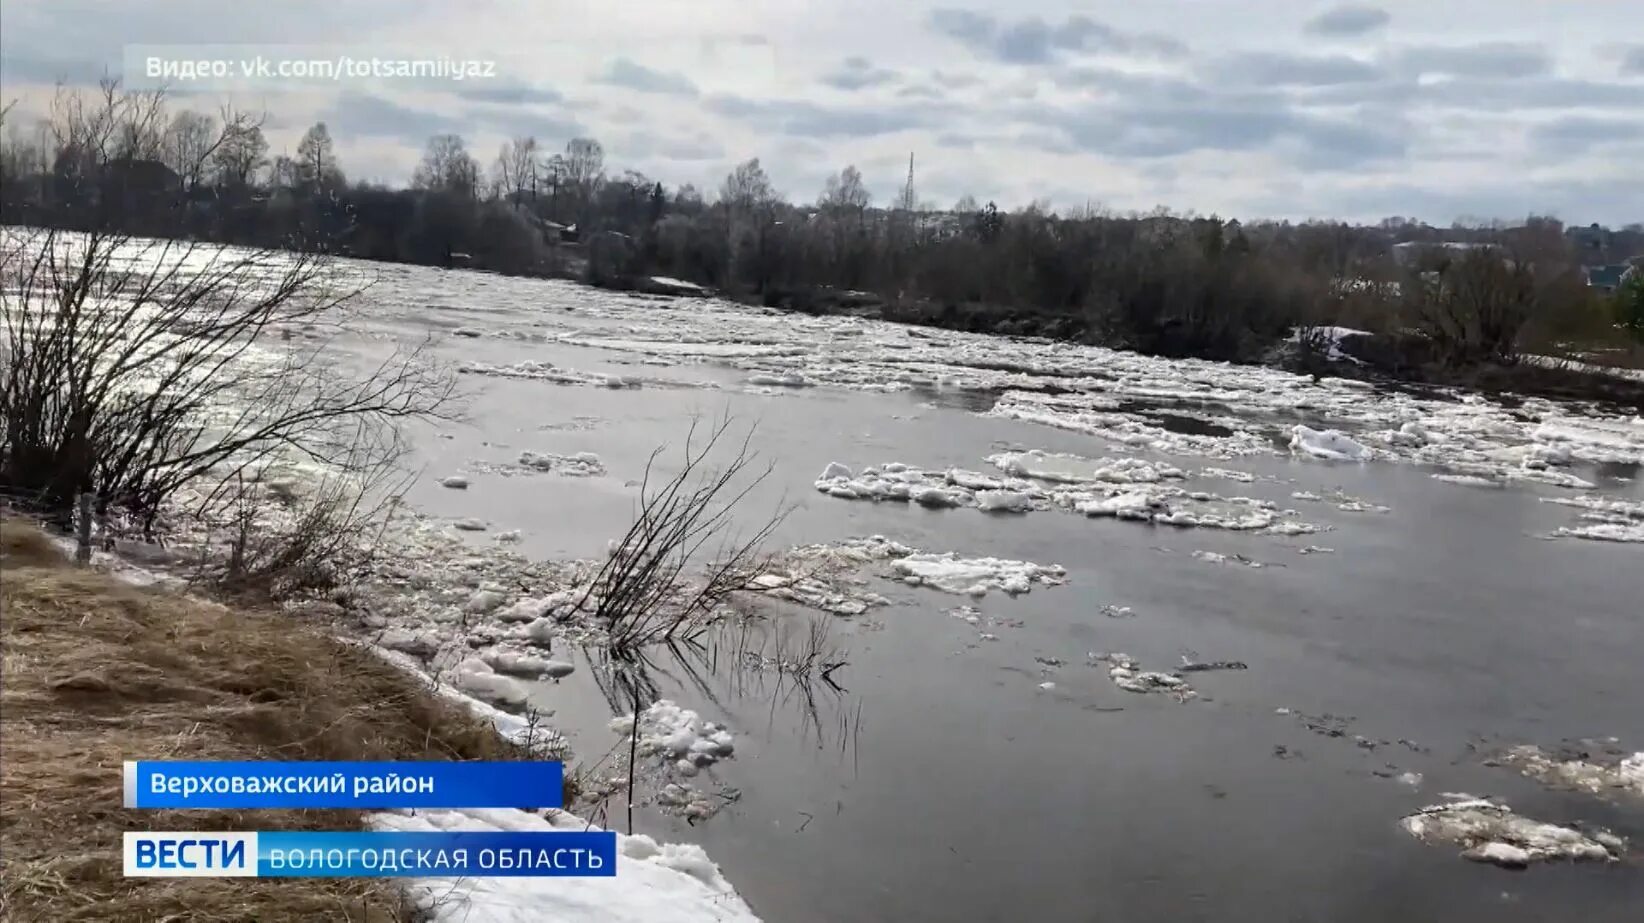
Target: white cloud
[1301, 108]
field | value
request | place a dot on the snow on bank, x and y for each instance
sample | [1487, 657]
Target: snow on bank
[1490, 832]
[677, 883]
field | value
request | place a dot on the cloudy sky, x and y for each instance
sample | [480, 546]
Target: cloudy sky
[1248, 108]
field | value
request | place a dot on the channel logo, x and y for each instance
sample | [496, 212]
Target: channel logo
[191, 855]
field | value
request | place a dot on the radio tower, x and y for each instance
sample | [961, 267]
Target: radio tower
[907, 191]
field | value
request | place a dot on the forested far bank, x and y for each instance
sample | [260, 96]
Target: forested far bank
[1443, 302]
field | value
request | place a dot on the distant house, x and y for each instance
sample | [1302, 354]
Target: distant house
[1607, 279]
[1412, 253]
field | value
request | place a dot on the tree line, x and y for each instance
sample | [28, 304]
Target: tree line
[1159, 282]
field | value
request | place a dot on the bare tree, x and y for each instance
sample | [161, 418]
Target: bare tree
[845, 191]
[448, 167]
[190, 140]
[317, 160]
[584, 166]
[241, 155]
[516, 168]
[747, 188]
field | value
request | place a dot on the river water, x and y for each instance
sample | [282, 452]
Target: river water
[945, 781]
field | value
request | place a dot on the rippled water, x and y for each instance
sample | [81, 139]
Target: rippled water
[942, 782]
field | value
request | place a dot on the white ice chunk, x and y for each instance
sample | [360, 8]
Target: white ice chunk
[1328, 444]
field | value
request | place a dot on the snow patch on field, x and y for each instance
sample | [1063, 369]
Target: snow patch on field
[674, 882]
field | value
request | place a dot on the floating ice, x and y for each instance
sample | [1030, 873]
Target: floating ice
[975, 576]
[582, 464]
[677, 733]
[1490, 832]
[1129, 676]
[1003, 501]
[470, 525]
[516, 664]
[1072, 469]
[1624, 775]
[1329, 444]
[455, 482]
[475, 677]
[420, 644]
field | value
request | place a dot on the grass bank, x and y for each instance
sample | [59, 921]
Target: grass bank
[96, 671]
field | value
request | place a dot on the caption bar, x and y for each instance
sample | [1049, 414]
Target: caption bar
[513, 854]
[521, 784]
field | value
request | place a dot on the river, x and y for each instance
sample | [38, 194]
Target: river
[980, 765]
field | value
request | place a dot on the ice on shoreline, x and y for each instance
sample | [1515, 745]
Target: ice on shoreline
[674, 882]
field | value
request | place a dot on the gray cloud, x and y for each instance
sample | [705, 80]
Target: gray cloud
[920, 91]
[1575, 134]
[1633, 62]
[625, 73]
[1480, 94]
[1578, 201]
[508, 93]
[856, 73]
[807, 119]
[1032, 40]
[1349, 19]
[1271, 69]
[1488, 59]
[648, 146]
[361, 114]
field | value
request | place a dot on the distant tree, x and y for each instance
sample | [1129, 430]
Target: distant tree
[747, 188]
[241, 155]
[584, 166]
[966, 205]
[844, 191]
[285, 173]
[317, 168]
[447, 167]
[515, 171]
[190, 140]
[688, 199]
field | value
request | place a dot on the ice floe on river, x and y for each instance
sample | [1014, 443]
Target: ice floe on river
[1605, 519]
[1594, 774]
[1487, 831]
[1075, 485]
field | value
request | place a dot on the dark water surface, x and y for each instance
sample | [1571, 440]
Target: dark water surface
[946, 785]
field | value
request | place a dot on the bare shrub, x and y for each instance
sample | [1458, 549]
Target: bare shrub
[132, 368]
[286, 537]
[641, 592]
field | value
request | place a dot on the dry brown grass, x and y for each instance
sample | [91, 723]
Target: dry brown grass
[96, 671]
